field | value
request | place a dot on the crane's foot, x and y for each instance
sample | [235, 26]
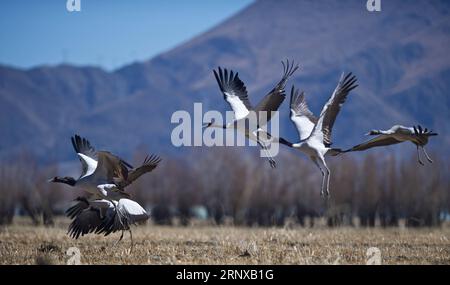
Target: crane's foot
[325, 194]
[132, 244]
[273, 164]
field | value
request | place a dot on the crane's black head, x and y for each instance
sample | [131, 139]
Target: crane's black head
[207, 125]
[66, 180]
[373, 133]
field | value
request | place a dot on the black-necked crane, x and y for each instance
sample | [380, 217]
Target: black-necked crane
[102, 216]
[235, 93]
[104, 175]
[395, 135]
[315, 133]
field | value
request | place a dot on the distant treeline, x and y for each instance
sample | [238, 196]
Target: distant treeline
[223, 185]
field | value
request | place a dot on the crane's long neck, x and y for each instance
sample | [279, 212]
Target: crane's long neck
[380, 132]
[298, 145]
[217, 126]
[285, 142]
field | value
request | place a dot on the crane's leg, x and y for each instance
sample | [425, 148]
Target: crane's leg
[259, 136]
[314, 159]
[426, 155]
[101, 213]
[131, 237]
[418, 156]
[268, 155]
[114, 205]
[326, 177]
[121, 237]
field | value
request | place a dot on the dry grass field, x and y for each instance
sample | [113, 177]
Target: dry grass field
[26, 244]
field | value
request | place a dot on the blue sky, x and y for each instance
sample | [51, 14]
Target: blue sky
[109, 33]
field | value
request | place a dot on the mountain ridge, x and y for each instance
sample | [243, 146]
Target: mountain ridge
[399, 56]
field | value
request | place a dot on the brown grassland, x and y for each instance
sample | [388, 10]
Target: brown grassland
[27, 244]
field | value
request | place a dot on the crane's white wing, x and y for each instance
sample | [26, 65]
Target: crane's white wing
[322, 130]
[82, 145]
[88, 164]
[101, 163]
[234, 91]
[87, 216]
[102, 216]
[132, 210]
[126, 213]
[86, 153]
[273, 100]
[303, 119]
[381, 140]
